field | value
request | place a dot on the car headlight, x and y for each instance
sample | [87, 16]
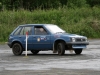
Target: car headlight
[73, 39]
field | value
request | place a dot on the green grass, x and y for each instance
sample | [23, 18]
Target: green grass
[83, 21]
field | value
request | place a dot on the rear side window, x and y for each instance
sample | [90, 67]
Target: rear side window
[17, 31]
[26, 29]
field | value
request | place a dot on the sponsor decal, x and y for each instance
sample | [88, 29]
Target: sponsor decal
[43, 38]
[38, 39]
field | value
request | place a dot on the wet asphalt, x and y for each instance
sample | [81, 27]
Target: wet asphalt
[47, 63]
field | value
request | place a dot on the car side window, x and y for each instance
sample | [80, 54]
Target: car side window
[39, 30]
[17, 31]
[22, 31]
[26, 29]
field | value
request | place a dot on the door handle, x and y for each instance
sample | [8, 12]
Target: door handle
[34, 37]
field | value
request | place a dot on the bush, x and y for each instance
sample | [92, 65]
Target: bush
[82, 21]
[76, 3]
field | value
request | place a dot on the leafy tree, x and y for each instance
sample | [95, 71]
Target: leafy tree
[93, 2]
[45, 4]
[0, 6]
[76, 3]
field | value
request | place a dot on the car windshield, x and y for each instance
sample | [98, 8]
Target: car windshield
[54, 29]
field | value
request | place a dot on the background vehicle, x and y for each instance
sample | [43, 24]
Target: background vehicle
[43, 37]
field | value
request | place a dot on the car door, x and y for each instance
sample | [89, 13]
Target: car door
[41, 38]
[22, 36]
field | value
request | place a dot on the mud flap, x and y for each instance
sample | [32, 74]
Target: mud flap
[54, 50]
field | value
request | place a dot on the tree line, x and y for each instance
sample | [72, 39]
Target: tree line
[45, 4]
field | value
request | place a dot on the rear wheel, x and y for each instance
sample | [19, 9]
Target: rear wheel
[61, 48]
[17, 49]
[78, 51]
[34, 52]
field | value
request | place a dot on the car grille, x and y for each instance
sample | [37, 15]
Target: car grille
[80, 39]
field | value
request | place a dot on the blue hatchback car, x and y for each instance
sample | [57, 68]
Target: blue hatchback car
[42, 37]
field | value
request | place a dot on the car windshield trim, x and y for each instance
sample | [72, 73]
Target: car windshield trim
[54, 29]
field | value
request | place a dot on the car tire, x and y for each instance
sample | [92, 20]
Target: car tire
[17, 49]
[61, 48]
[78, 51]
[34, 52]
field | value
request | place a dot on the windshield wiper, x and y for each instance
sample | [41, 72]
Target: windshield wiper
[59, 32]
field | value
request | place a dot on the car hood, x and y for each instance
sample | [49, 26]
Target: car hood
[71, 35]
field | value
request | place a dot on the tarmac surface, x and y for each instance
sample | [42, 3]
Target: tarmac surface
[47, 63]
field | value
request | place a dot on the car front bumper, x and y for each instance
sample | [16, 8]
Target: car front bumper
[74, 43]
[77, 45]
[9, 44]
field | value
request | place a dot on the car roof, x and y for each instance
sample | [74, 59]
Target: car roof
[35, 24]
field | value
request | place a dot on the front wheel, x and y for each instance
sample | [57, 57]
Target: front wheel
[17, 49]
[78, 51]
[34, 52]
[61, 48]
